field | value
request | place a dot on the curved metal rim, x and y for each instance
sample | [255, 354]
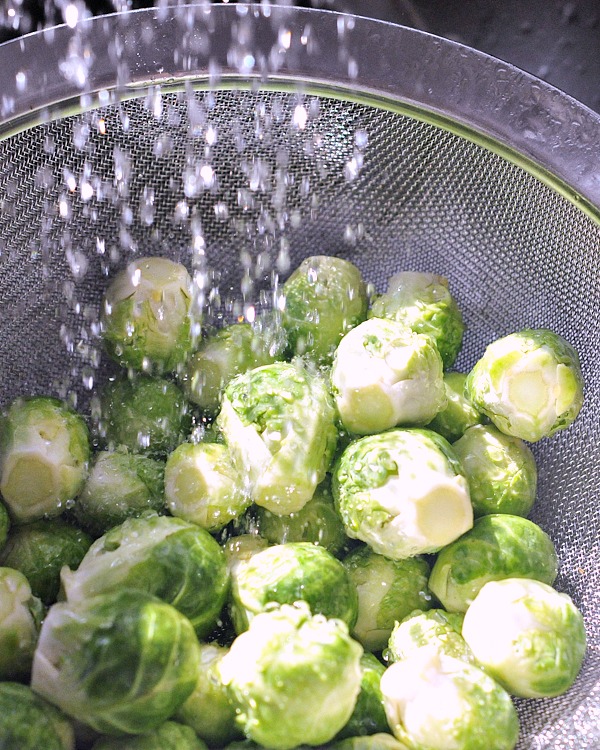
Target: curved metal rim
[535, 124]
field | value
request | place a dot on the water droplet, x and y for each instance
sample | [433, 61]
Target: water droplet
[21, 80]
[300, 117]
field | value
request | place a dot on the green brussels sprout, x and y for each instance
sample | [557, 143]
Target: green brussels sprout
[378, 741]
[240, 549]
[435, 702]
[44, 454]
[287, 573]
[20, 619]
[528, 383]
[498, 546]
[527, 635]
[120, 485]
[40, 549]
[317, 522]
[170, 558]
[144, 415]
[402, 492]
[208, 710]
[500, 469]
[384, 375]
[168, 736]
[28, 722]
[122, 663]
[323, 299]
[423, 303]
[314, 658]
[4, 525]
[202, 485]
[146, 323]
[459, 413]
[368, 716]
[279, 423]
[223, 355]
[388, 590]
[435, 628]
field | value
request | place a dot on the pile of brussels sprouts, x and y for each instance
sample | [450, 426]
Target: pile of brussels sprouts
[306, 530]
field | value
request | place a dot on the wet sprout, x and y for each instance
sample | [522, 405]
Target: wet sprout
[20, 619]
[279, 424]
[501, 471]
[202, 485]
[423, 303]
[323, 299]
[146, 315]
[168, 736]
[402, 492]
[384, 375]
[44, 454]
[527, 635]
[28, 722]
[528, 383]
[459, 413]
[368, 716]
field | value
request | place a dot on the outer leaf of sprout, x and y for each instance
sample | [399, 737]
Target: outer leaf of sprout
[402, 492]
[459, 413]
[20, 618]
[44, 454]
[168, 736]
[368, 717]
[385, 375]
[423, 303]
[528, 383]
[433, 628]
[28, 722]
[526, 634]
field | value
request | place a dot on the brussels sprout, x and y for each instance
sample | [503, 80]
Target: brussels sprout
[497, 547]
[500, 469]
[368, 716]
[279, 423]
[385, 375]
[20, 619]
[324, 298]
[314, 658]
[379, 741]
[203, 487]
[120, 485]
[28, 722]
[40, 549]
[435, 628]
[144, 415]
[44, 454]
[4, 525]
[122, 663]
[208, 710]
[388, 590]
[528, 383]
[223, 355]
[436, 702]
[423, 303]
[459, 413]
[240, 549]
[402, 492]
[287, 573]
[170, 558]
[168, 736]
[146, 320]
[528, 636]
[317, 522]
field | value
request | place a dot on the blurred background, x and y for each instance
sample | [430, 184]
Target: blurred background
[556, 40]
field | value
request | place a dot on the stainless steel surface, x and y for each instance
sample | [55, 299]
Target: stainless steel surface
[398, 151]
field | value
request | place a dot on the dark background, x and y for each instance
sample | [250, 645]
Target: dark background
[556, 40]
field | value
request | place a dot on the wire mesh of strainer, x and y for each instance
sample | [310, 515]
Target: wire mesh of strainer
[325, 168]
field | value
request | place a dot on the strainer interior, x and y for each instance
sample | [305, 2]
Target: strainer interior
[290, 175]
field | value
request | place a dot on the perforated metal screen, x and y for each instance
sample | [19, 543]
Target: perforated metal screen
[243, 176]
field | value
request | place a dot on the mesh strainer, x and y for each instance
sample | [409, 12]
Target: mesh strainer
[375, 142]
